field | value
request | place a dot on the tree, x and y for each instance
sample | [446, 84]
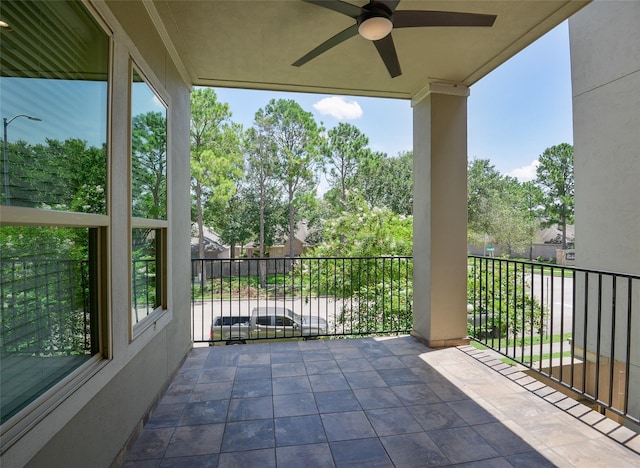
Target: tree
[149, 165]
[216, 160]
[364, 234]
[295, 136]
[345, 149]
[387, 181]
[555, 178]
[531, 204]
[262, 185]
[514, 222]
[234, 222]
[500, 208]
[483, 191]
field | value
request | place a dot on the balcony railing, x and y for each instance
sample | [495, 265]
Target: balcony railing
[322, 296]
[578, 327]
[47, 327]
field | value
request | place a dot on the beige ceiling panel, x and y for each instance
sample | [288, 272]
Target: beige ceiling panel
[252, 44]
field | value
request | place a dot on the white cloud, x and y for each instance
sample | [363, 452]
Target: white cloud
[525, 173]
[339, 107]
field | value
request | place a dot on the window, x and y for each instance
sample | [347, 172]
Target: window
[148, 199]
[265, 321]
[53, 104]
[284, 321]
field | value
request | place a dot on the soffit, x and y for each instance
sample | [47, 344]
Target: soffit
[252, 44]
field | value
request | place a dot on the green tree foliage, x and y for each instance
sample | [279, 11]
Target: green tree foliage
[44, 268]
[216, 163]
[149, 165]
[345, 150]
[387, 181]
[500, 208]
[503, 305]
[263, 192]
[483, 194]
[367, 232]
[380, 290]
[297, 144]
[555, 177]
[67, 175]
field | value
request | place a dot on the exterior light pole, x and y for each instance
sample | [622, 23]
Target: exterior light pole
[5, 122]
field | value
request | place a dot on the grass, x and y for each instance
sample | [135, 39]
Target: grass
[545, 357]
[528, 360]
[527, 341]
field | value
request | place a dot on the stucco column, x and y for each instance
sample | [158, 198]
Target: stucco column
[440, 215]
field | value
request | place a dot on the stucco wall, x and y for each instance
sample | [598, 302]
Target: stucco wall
[605, 62]
[91, 426]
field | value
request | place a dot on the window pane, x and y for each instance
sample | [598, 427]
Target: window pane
[53, 76]
[148, 152]
[146, 288]
[48, 314]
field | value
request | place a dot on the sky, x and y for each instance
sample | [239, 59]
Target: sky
[514, 113]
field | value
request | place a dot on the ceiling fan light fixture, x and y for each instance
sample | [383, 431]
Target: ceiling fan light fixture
[375, 27]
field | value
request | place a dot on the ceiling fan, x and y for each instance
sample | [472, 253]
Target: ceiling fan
[375, 20]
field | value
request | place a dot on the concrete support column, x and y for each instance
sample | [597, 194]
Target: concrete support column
[440, 215]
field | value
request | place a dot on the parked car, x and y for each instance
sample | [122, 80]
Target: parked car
[266, 322]
[229, 328]
[306, 320]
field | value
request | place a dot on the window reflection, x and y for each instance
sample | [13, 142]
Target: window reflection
[146, 283]
[148, 198]
[54, 107]
[54, 66]
[148, 152]
[47, 327]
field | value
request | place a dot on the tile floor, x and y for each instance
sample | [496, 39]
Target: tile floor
[369, 402]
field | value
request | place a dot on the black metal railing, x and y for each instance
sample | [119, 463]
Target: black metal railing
[577, 327]
[144, 288]
[47, 327]
[324, 296]
[45, 307]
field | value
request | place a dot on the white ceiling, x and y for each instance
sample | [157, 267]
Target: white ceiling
[252, 44]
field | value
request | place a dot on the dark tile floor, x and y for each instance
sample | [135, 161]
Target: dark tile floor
[369, 402]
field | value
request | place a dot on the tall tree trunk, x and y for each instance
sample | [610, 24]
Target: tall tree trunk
[200, 221]
[292, 227]
[262, 264]
[564, 230]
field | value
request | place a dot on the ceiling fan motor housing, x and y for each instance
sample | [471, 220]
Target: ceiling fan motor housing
[375, 22]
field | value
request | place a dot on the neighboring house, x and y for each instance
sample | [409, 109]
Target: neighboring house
[547, 242]
[213, 247]
[280, 249]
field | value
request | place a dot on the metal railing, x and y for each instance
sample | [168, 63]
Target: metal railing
[45, 307]
[343, 296]
[578, 327]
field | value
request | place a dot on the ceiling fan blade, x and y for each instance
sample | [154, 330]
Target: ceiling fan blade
[421, 18]
[328, 44]
[345, 8]
[387, 51]
[391, 4]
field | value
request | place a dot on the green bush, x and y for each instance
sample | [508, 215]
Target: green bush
[502, 301]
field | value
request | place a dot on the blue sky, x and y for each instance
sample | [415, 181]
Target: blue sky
[514, 113]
